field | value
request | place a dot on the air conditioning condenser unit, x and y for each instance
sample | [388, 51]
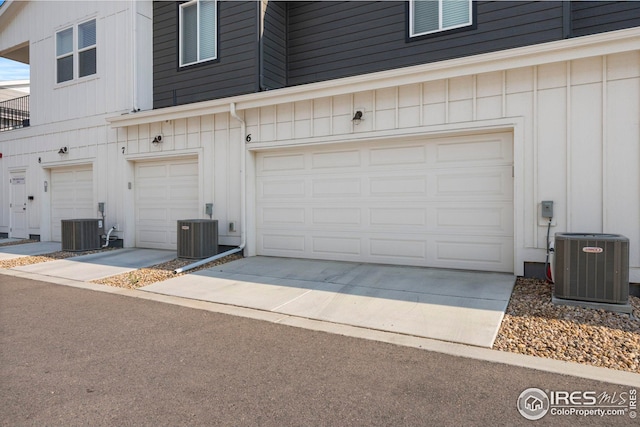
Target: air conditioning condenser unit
[197, 238]
[592, 269]
[81, 234]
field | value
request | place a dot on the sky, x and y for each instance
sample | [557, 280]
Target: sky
[12, 70]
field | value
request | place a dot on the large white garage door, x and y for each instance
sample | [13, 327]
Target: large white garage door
[438, 203]
[166, 191]
[71, 196]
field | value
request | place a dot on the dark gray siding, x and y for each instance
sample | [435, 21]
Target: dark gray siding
[235, 71]
[591, 17]
[336, 39]
[274, 46]
[309, 41]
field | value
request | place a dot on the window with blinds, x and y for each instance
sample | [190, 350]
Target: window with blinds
[76, 52]
[198, 31]
[430, 16]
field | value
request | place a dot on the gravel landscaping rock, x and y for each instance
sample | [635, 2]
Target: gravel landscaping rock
[17, 242]
[36, 259]
[532, 324]
[159, 272]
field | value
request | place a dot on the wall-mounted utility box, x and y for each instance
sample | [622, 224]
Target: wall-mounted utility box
[546, 209]
[81, 234]
[197, 238]
[592, 267]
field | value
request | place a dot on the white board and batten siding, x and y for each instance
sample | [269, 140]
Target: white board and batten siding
[71, 196]
[166, 191]
[444, 202]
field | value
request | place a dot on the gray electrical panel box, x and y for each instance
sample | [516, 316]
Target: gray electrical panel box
[547, 209]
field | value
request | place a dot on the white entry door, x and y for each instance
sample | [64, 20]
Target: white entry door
[18, 205]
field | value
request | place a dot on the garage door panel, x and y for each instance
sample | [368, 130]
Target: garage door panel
[397, 155]
[337, 187]
[183, 212]
[398, 186]
[281, 188]
[470, 219]
[384, 249]
[474, 184]
[152, 214]
[183, 192]
[336, 216]
[152, 193]
[283, 244]
[279, 163]
[336, 246]
[84, 195]
[472, 253]
[336, 160]
[484, 150]
[439, 203]
[448, 154]
[403, 217]
[161, 238]
[182, 170]
[151, 171]
[277, 215]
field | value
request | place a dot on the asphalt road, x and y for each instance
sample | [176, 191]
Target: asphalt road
[76, 357]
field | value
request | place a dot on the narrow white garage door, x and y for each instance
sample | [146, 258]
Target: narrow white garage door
[166, 192]
[437, 203]
[71, 196]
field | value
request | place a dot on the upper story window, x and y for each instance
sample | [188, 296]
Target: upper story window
[76, 51]
[430, 16]
[198, 31]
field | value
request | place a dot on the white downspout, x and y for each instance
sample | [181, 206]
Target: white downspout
[134, 54]
[243, 195]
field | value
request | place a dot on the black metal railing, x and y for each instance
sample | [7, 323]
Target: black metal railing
[14, 113]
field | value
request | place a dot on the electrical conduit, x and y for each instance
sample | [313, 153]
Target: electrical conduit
[106, 240]
[243, 212]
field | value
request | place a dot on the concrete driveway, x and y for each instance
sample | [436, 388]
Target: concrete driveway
[457, 306]
[449, 305]
[27, 249]
[101, 264]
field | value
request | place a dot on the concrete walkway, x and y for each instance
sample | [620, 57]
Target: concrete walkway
[27, 249]
[101, 264]
[448, 305]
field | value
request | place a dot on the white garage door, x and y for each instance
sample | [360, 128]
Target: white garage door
[437, 203]
[71, 196]
[166, 192]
